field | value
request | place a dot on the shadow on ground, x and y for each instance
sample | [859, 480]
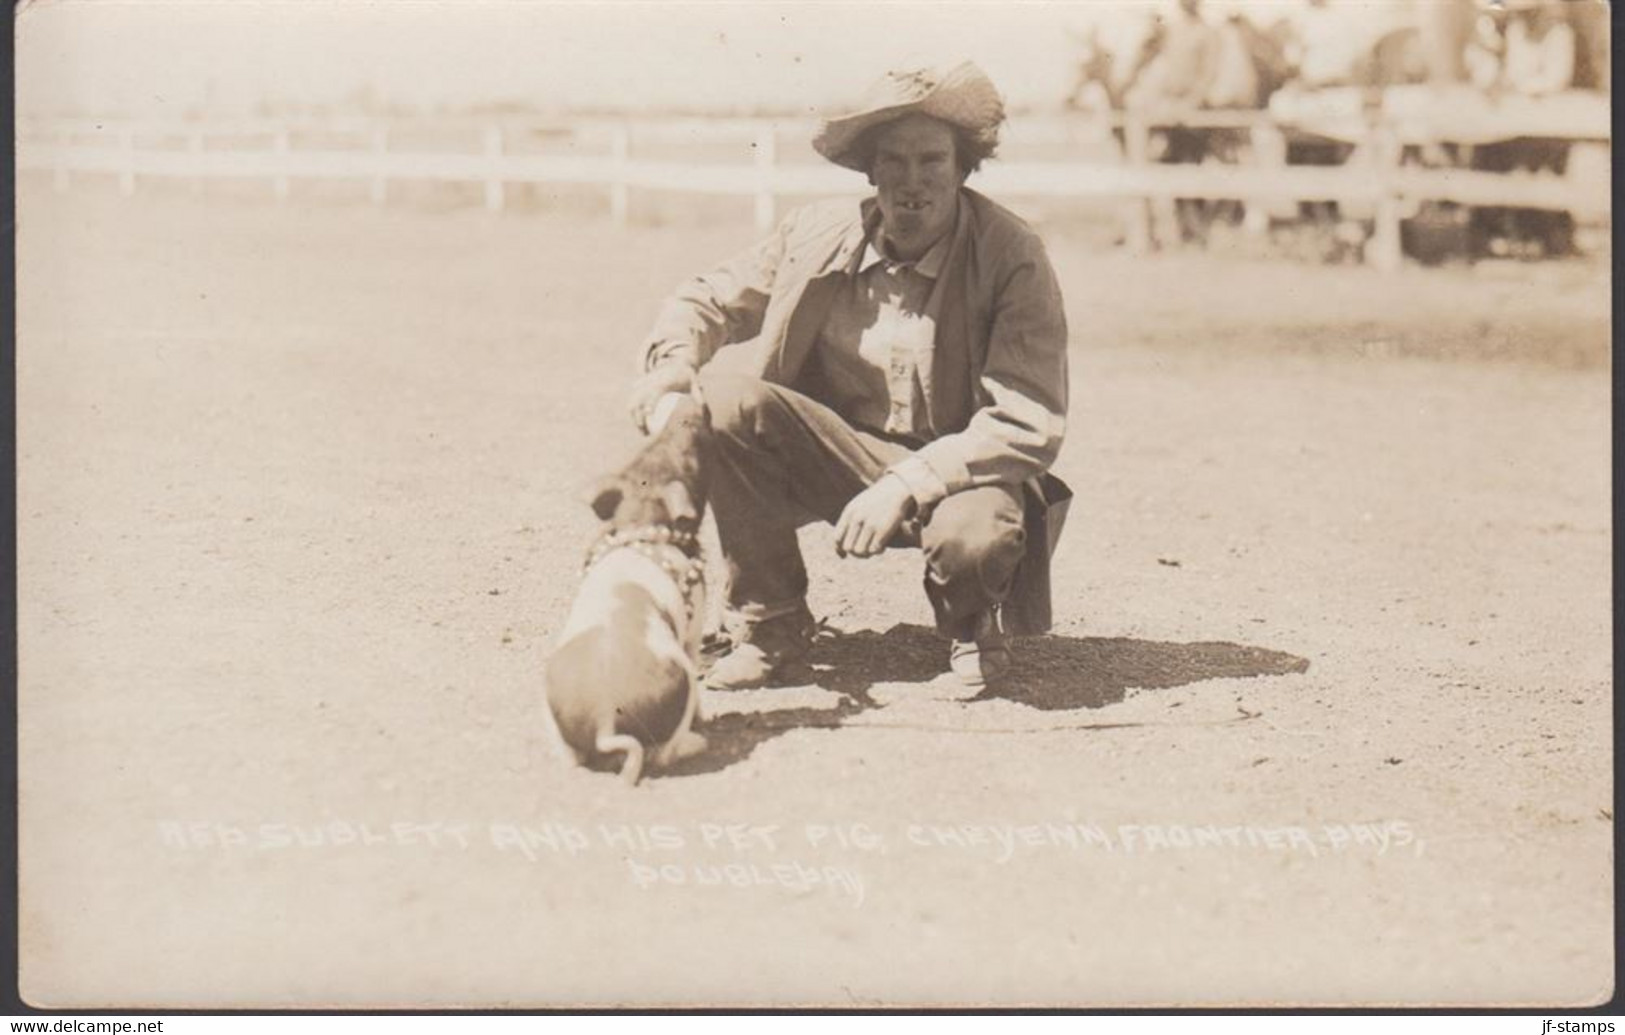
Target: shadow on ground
[1051, 673]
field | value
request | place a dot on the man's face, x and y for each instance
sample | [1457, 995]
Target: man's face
[917, 173]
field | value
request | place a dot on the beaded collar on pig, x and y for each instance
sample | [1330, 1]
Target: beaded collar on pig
[663, 545]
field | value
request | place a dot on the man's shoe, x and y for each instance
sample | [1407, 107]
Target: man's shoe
[984, 658]
[766, 652]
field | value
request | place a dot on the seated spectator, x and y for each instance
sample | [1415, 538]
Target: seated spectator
[1539, 49]
[1337, 45]
[1589, 19]
[1443, 29]
[1528, 48]
[1112, 56]
[1486, 50]
[1325, 49]
[1178, 76]
[1237, 81]
[1092, 81]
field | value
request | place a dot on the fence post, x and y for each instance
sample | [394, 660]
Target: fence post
[281, 147]
[380, 182]
[126, 175]
[1385, 251]
[493, 168]
[59, 171]
[766, 146]
[1137, 210]
[1269, 155]
[619, 150]
[195, 145]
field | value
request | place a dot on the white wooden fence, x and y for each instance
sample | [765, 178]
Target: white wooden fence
[601, 156]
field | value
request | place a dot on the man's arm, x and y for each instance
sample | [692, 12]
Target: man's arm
[1017, 432]
[704, 314]
[715, 309]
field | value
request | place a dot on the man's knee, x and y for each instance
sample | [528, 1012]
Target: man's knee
[976, 535]
[736, 402]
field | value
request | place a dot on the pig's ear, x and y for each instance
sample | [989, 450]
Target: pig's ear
[680, 505]
[606, 499]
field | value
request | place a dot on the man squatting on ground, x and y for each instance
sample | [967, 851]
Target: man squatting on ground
[896, 366]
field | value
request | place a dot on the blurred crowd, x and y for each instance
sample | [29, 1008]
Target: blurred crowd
[1320, 65]
[1187, 59]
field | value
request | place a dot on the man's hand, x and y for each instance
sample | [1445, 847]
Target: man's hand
[873, 517]
[674, 376]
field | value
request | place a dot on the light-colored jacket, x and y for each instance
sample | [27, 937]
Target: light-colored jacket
[995, 388]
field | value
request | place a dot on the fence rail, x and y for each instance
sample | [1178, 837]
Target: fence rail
[601, 155]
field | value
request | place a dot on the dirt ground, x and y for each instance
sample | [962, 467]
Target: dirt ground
[1325, 717]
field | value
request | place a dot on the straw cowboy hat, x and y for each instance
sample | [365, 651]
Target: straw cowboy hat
[962, 95]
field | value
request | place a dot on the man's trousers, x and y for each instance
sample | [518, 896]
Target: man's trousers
[781, 459]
